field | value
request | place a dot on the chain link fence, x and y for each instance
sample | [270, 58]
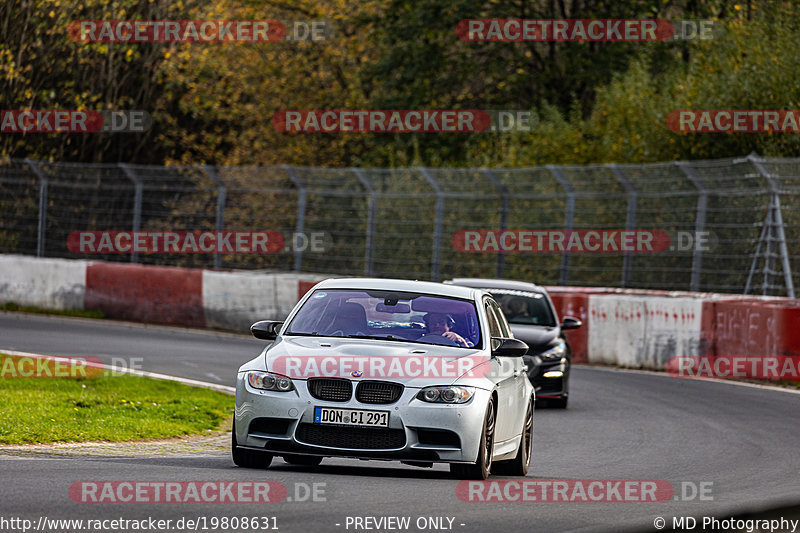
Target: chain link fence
[401, 222]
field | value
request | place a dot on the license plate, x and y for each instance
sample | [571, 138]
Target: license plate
[351, 417]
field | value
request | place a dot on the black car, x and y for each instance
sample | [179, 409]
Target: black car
[534, 320]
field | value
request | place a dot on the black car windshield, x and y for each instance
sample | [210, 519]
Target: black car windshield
[388, 315]
[523, 307]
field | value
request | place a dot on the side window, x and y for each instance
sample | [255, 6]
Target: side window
[501, 319]
[494, 325]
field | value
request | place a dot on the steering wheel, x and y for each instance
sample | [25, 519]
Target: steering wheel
[448, 342]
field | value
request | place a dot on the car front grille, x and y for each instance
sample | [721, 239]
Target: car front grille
[351, 438]
[548, 385]
[330, 390]
[378, 392]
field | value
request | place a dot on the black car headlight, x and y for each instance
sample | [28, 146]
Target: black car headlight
[269, 381]
[451, 394]
[556, 352]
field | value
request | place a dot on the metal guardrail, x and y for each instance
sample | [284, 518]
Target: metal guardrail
[400, 222]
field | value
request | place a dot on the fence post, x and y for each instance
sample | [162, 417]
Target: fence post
[769, 256]
[699, 221]
[137, 204]
[371, 209]
[43, 182]
[761, 239]
[301, 214]
[569, 215]
[503, 190]
[775, 219]
[437, 225]
[630, 219]
[222, 193]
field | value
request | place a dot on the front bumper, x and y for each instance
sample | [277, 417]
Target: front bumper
[283, 423]
[548, 387]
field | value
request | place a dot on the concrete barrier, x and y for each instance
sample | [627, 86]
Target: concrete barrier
[752, 327]
[303, 287]
[622, 327]
[47, 283]
[643, 331]
[152, 294]
[161, 295]
[234, 300]
[575, 304]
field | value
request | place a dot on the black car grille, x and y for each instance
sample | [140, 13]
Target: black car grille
[545, 385]
[352, 438]
[330, 390]
[378, 392]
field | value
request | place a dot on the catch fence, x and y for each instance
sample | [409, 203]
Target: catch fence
[410, 222]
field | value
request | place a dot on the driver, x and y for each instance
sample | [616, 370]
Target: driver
[518, 308]
[440, 324]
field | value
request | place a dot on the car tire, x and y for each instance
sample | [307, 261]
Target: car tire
[480, 469]
[248, 458]
[518, 466]
[303, 460]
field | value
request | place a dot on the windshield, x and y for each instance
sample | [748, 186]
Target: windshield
[388, 315]
[522, 307]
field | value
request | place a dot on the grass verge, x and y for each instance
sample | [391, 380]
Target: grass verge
[109, 407]
[11, 306]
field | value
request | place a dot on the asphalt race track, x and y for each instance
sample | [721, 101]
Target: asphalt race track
[745, 441]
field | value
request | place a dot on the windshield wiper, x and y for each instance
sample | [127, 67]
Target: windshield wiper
[381, 337]
[312, 334]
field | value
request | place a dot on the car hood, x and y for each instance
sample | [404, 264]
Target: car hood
[412, 364]
[538, 338]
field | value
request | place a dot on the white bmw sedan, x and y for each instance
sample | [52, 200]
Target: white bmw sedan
[383, 369]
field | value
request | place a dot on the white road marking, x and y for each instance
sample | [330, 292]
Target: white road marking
[193, 382]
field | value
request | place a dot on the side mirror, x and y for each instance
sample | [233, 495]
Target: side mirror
[266, 329]
[571, 323]
[503, 347]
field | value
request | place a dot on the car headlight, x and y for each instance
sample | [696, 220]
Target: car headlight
[451, 394]
[269, 381]
[556, 352]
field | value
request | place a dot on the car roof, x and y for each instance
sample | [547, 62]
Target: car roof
[427, 287]
[488, 284]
